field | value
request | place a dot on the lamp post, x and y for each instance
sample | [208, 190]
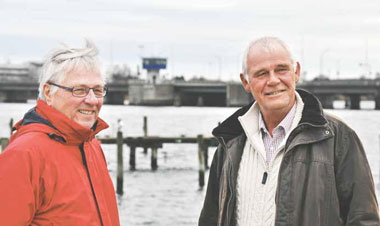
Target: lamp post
[219, 60]
[321, 61]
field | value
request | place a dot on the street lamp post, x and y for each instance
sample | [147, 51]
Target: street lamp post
[321, 61]
[219, 60]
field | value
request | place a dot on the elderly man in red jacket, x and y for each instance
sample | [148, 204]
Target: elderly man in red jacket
[54, 172]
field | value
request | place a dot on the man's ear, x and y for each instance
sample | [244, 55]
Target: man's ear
[46, 90]
[297, 72]
[245, 83]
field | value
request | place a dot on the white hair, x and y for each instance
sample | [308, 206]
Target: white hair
[268, 44]
[61, 61]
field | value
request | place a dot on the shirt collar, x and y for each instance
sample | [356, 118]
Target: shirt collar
[250, 123]
[285, 124]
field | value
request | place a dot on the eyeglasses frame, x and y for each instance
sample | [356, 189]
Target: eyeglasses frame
[87, 88]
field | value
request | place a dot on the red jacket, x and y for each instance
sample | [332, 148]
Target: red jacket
[54, 173]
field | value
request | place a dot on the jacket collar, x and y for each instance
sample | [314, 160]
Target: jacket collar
[312, 113]
[44, 118]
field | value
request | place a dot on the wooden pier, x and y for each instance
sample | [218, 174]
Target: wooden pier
[154, 143]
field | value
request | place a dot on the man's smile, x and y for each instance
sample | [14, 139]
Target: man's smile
[86, 112]
[274, 92]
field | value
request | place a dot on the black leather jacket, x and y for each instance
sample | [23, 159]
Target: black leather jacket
[324, 177]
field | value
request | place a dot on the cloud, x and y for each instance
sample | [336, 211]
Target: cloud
[193, 33]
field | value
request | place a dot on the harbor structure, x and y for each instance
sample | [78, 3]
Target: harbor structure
[153, 65]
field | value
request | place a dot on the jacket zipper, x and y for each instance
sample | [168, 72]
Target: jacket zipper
[89, 179]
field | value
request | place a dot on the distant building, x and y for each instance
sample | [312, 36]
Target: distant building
[153, 65]
[27, 72]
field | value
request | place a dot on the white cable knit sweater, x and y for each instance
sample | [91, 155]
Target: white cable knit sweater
[256, 201]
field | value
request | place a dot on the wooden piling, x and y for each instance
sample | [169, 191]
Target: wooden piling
[119, 183]
[153, 162]
[132, 158]
[201, 159]
[4, 143]
[145, 128]
[206, 156]
[154, 143]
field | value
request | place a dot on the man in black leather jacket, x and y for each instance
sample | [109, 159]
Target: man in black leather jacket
[318, 173]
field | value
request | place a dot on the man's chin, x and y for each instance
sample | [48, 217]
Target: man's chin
[86, 124]
[278, 105]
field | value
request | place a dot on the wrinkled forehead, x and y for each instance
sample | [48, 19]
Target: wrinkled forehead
[84, 76]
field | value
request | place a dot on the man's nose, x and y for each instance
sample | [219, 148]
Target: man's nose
[273, 79]
[91, 98]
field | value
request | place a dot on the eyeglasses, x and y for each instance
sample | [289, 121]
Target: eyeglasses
[82, 91]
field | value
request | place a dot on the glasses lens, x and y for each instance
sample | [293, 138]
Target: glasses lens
[80, 91]
[83, 91]
[98, 91]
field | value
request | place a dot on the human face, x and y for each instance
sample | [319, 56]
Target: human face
[271, 80]
[82, 110]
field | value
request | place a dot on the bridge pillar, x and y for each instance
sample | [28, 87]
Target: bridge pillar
[177, 100]
[236, 95]
[3, 96]
[200, 101]
[327, 101]
[355, 101]
[377, 102]
[115, 98]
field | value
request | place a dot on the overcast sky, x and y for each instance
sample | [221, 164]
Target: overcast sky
[339, 38]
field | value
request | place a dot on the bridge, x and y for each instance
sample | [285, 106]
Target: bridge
[352, 90]
[208, 93]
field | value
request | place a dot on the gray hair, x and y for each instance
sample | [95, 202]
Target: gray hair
[269, 44]
[61, 61]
